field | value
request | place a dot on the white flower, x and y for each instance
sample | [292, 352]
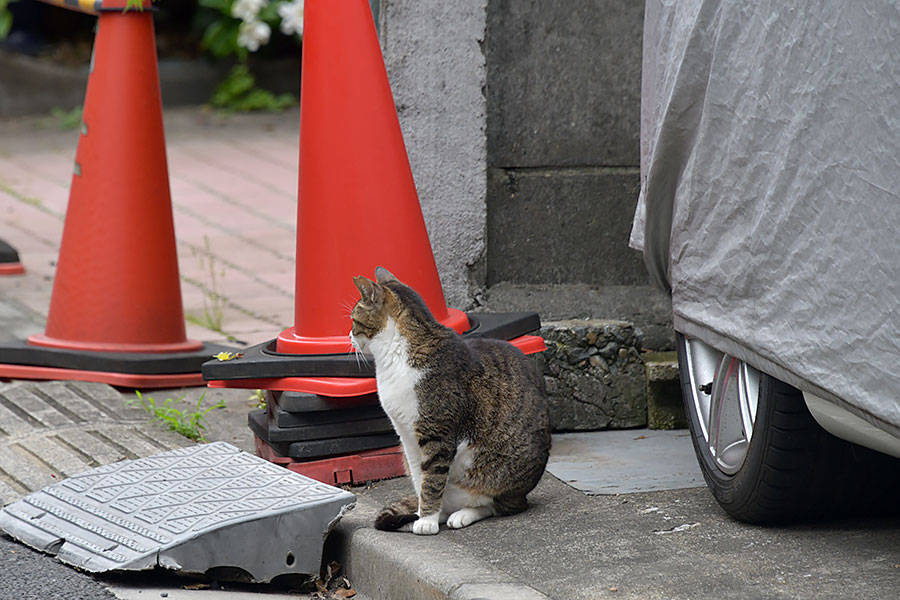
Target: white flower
[246, 10]
[253, 34]
[291, 14]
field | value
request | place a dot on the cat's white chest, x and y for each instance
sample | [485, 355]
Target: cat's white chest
[396, 380]
[395, 377]
[398, 398]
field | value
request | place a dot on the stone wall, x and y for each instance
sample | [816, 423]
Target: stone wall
[594, 375]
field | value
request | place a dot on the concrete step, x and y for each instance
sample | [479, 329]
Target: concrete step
[665, 407]
[647, 308]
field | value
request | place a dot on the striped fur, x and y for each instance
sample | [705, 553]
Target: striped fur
[397, 514]
[471, 414]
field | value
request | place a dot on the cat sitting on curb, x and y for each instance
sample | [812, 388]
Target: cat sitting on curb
[471, 414]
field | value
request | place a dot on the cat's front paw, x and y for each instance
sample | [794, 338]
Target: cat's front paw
[466, 516]
[426, 525]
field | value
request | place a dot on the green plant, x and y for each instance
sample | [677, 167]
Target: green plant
[238, 28]
[65, 119]
[6, 18]
[258, 399]
[238, 92]
[213, 302]
[242, 26]
[190, 424]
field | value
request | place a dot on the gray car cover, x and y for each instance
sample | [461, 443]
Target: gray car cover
[770, 198]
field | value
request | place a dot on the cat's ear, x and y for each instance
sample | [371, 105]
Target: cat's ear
[382, 275]
[371, 292]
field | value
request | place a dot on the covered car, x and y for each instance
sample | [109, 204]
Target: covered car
[770, 211]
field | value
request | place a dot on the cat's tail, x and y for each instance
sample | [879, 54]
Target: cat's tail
[397, 514]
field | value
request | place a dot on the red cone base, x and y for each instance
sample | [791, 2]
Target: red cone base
[356, 468]
[9, 260]
[291, 343]
[11, 269]
[126, 380]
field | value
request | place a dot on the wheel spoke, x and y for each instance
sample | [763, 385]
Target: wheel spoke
[722, 409]
[748, 396]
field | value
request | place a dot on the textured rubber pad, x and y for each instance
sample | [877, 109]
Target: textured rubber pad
[190, 509]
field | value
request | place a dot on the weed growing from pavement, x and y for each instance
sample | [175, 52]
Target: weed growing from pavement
[190, 424]
[213, 302]
[258, 399]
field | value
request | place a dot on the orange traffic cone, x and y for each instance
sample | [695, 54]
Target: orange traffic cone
[116, 303]
[358, 209]
[357, 205]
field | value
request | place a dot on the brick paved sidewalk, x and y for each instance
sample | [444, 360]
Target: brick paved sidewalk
[234, 190]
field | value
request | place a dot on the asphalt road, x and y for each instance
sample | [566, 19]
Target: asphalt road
[29, 575]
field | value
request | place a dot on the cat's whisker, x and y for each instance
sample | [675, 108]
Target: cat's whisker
[357, 357]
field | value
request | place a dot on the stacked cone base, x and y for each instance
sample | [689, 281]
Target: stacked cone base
[350, 469]
[345, 375]
[145, 370]
[333, 440]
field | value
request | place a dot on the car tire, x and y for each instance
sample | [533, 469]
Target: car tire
[788, 468]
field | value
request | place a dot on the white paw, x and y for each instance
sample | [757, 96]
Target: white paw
[426, 525]
[466, 516]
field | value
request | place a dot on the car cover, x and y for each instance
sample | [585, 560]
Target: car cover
[770, 198]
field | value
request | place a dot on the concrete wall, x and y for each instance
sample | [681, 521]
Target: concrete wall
[563, 141]
[433, 53]
[521, 120]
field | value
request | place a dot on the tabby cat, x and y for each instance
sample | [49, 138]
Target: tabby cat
[471, 413]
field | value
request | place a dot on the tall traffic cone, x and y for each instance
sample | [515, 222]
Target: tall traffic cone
[357, 209]
[116, 314]
[357, 205]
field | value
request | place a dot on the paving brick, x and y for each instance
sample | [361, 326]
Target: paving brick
[22, 399]
[248, 161]
[61, 460]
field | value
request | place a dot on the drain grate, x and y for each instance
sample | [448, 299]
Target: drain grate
[189, 509]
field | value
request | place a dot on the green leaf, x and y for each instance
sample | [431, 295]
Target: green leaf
[5, 22]
[220, 38]
[269, 13]
[221, 5]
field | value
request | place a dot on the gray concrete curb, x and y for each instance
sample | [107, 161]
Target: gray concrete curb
[402, 566]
